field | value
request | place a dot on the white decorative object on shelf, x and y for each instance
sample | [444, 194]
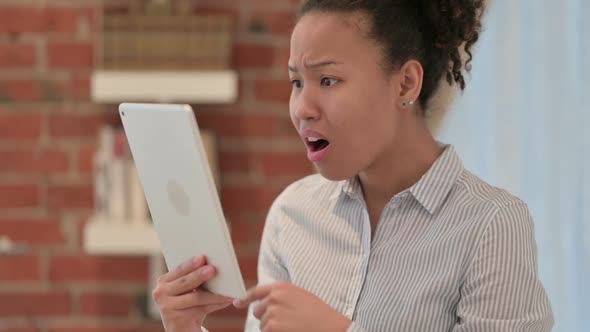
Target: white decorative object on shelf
[7, 246]
[120, 237]
[109, 86]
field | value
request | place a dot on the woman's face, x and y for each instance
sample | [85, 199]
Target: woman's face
[341, 94]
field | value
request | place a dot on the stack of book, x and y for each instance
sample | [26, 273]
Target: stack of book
[118, 192]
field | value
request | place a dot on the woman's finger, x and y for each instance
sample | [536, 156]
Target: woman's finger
[260, 308]
[190, 281]
[183, 269]
[198, 299]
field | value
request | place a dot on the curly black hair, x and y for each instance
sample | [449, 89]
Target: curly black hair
[429, 31]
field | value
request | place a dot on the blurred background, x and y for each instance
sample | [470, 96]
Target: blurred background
[73, 257]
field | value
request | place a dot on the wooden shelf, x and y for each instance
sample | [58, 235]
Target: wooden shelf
[203, 87]
[120, 237]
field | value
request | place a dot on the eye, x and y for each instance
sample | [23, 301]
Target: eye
[327, 81]
[297, 84]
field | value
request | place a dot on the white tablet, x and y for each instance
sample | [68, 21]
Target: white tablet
[180, 191]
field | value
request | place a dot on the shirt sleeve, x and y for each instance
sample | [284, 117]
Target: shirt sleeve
[501, 290]
[271, 266]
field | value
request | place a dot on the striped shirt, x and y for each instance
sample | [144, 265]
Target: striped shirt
[450, 253]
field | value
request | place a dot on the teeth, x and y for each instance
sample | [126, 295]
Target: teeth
[313, 139]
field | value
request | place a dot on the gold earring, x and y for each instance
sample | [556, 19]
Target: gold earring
[404, 103]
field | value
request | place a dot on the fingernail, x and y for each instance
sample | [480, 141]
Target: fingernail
[237, 303]
[207, 270]
[197, 260]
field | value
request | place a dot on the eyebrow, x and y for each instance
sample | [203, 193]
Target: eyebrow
[315, 65]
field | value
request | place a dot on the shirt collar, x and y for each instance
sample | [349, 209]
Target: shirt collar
[352, 187]
[432, 188]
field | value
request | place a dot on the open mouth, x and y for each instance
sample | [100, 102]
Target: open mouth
[317, 144]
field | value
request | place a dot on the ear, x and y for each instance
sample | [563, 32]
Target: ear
[411, 75]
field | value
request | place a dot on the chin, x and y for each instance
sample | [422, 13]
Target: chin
[333, 173]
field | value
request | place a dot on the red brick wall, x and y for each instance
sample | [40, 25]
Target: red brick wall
[48, 133]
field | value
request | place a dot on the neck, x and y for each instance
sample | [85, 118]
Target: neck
[401, 166]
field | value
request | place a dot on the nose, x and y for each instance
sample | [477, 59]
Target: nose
[304, 106]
